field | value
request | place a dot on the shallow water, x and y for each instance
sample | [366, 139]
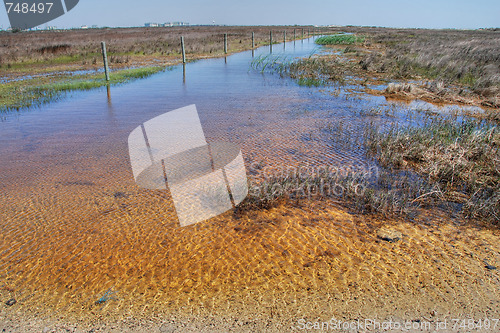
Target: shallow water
[74, 224]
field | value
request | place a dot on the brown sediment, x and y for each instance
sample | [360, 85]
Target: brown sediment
[410, 92]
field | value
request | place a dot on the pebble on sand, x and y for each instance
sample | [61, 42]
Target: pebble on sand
[11, 302]
[389, 235]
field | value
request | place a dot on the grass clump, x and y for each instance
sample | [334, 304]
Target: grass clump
[460, 160]
[340, 39]
[310, 82]
[364, 190]
[310, 72]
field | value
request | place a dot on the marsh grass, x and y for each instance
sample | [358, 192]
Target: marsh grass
[459, 160]
[370, 190]
[26, 49]
[311, 71]
[467, 58]
[26, 55]
[457, 66]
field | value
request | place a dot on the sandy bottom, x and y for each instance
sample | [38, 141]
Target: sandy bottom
[83, 249]
[252, 271]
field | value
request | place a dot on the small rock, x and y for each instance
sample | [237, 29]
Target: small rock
[11, 302]
[490, 267]
[389, 235]
[120, 195]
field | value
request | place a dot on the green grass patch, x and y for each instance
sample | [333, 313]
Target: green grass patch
[340, 39]
[23, 94]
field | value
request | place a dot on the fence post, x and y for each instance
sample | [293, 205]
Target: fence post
[271, 41]
[302, 33]
[183, 49]
[225, 43]
[253, 40]
[105, 60]
[284, 36]
[294, 34]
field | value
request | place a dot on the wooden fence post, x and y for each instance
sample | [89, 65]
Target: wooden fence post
[253, 40]
[225, 43]
[183, 49]
[105, 60]
[271, 40]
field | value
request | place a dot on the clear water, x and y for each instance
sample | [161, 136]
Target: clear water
[74, 225]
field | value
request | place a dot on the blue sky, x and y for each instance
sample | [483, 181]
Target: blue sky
[462, 14]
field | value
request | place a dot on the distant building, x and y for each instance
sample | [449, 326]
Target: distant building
[167, 24]
[84, 27]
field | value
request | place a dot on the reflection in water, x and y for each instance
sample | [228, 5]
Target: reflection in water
[184, 74]
[108, 88]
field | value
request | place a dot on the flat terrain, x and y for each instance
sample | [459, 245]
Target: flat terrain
[83, 249]
[36, 67]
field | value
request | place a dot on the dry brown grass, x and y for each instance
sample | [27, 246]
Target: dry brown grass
[459, 160]
[125, 45]
[466, 59]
